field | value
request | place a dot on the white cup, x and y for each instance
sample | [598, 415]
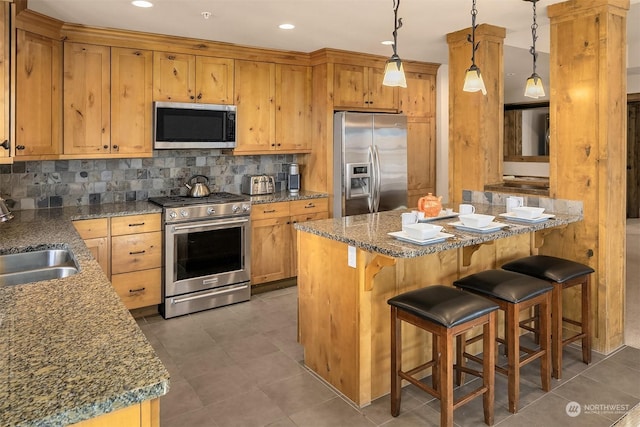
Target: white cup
[465, 209]
[409, 218]
[419, 215]
[513, 202]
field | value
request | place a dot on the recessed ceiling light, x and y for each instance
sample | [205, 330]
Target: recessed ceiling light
[142, 3]
[387, 42]
[286, 26]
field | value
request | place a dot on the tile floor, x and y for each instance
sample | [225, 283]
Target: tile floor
[240, 365]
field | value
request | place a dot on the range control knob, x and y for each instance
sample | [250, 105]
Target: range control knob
[211, 211]
[184, 213]
[173, 214]
[235, 208]
[246, 208]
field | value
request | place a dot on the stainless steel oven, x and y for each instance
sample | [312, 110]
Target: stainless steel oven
[207, 245]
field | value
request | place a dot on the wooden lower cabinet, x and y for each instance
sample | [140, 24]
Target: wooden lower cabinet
[129, 250]
[273, 237]
[143, 414]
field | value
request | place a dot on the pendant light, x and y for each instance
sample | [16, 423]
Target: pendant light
[394, 71]
[534, 88]
[473, 79]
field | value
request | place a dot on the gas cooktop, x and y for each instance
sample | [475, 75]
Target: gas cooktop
[212, 199]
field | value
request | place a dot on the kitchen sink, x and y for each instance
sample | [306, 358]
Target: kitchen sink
[28, 267]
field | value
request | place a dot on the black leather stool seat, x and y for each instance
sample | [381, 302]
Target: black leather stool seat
[549, 268]
[505, 285]
[443, 305]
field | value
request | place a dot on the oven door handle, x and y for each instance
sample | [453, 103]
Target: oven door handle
[209, 294]
[207, 224]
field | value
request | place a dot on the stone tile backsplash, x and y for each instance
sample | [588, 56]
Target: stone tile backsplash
[55, 183]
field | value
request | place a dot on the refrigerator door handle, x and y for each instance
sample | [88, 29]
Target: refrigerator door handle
[376, 172]
[372, 191]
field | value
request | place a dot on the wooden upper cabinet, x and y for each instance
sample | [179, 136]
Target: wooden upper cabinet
[5, 99]
[214, 80]
[174, 77]
[131, 100]
[293, 108]
[360, 87]
[86, 110]
[418, 99]
[38, 95]
[190, 78]
[254, 99]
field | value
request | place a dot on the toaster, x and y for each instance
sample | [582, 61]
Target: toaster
[257, 184]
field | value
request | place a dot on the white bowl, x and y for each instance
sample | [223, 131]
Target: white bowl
[421, 230]
[476, 220]
[528, 212]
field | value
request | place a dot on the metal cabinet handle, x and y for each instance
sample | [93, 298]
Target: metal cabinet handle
[5, 144]
[131, 291]
[310, 205]
[137, 252]
[20, 147]
[136, 224]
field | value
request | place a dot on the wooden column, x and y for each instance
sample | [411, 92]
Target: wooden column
[475, 120]
[588, 149]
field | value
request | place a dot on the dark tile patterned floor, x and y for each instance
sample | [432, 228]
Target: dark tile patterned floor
[240, 365]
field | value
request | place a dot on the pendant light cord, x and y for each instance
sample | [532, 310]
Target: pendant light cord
[534, 37]
[471, 38]
[397, 24]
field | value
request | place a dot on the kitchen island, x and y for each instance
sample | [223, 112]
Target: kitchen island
[69, 349]
[349, 267]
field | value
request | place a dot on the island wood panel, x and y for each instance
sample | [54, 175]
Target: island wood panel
[143, 414]
[332, 294]
[588, 151]
[328, 312]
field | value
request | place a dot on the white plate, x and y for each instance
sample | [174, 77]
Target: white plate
[491, 227]
[441, 215]
[513, 217]
[401, 235]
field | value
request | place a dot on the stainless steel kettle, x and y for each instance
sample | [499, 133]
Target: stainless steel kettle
[198, 189]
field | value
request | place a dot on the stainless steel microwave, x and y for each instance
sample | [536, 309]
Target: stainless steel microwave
[180, 125]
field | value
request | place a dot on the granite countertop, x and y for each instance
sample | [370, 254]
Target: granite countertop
[285, 196]
[69, 348]
[369, 231]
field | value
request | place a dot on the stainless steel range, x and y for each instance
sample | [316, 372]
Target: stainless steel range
[207, 247]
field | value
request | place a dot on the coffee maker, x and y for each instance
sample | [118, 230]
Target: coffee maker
[293, 180]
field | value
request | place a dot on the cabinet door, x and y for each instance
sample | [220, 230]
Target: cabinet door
[173, 77]
[38, 95]
[293, 107]
[380, 97]
[95, 233]
[131, 101]
[255, 92]
[99, 248]
[5, 99]
[349, 86]
[87, 99]
[214, 80]
[270, 249]
[310, 216]
[418, 99]
[421, 162]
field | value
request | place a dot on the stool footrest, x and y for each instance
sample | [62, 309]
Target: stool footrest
[573, 338]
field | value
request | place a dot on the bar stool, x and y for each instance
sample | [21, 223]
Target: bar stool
[445, 312]
[562, 274]
[513, 292]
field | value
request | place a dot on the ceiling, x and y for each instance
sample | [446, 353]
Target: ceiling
[355, 25]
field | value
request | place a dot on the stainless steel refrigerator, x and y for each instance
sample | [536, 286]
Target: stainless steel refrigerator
[370, 162]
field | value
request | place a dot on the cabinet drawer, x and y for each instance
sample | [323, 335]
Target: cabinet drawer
[269, 210]
[92, 228]
[135, 224]
[300, 207]
[139, 288]
[309, 216]
[136, 252]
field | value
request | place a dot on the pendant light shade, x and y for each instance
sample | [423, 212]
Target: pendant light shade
[473, 78]
[394, 71]
[534, 87]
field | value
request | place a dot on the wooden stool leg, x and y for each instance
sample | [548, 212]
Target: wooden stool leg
[445, 366]
[556, 330]
[488, 367]
[396, 362]
[460, 361]
[513, 355]
[545, 341]
[586, 320]
[435, 371]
